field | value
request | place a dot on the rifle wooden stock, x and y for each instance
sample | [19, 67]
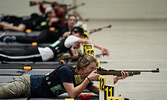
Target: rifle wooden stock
[99, 29]
[102, 71]
[117, 73]
[34, 3]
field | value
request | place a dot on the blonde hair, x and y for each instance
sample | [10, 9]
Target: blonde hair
[84, 60]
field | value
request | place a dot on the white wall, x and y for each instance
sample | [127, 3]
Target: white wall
[125, 9]
[98, 9]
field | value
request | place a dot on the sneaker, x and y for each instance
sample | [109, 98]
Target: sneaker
[2, 36]
[9, 39]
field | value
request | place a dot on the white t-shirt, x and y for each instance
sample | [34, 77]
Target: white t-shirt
[47, 53]
[70, 41]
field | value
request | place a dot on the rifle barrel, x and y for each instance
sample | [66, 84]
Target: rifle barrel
[117, 72]
[82, 4]
[99, 29]
[102, 71]
[106, 27]
[153, 71]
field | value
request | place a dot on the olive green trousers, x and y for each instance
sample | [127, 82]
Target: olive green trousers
[20, 86]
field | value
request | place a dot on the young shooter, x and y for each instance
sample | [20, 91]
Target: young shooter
[59, 81]
[55, 50]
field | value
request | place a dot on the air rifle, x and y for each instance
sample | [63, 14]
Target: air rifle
[118, 72]
[34, 3]
[99, 29]
[103, 71]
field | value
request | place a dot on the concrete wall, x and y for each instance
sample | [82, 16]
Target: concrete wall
[98, 9]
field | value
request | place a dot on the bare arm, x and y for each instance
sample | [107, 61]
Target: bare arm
[75, 91]
[71, 52]
[94, 89]
[66, 33]
[19, 28]
[53, 20]
[123, 76]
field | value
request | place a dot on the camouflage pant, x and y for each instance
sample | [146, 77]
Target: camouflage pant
[19, 87]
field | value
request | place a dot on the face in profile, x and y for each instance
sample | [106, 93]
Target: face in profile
[91, 67]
